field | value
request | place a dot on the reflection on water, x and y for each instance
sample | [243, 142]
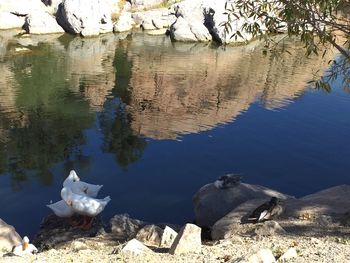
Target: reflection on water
[68, 102]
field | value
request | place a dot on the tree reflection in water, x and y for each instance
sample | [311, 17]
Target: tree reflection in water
[53, 119]
[119, 138]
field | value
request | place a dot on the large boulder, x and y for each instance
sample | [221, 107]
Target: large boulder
[212, 203]
[41, 23]
[334, 202]
[210, 16]
[154, 19]
[88, 18]
[9, 20]
[21, 7]
[125, 21]
[8, 237]
[52, 5]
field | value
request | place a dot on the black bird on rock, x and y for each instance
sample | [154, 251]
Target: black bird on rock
[265, 212]
[228, 181]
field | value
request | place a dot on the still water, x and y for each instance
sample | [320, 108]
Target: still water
[153, 121]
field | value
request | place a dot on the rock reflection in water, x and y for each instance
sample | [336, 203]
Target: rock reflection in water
[192, 88]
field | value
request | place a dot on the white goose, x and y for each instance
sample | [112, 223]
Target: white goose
[61, 209]
[84, 205]
[25, 248]
[80, 187]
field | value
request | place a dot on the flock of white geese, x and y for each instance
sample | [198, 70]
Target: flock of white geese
[78, 197]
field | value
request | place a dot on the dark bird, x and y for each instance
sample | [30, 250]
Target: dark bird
[265, 211]
[228, 181]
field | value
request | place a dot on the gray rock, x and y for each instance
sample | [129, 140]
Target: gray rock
[211, 203]
[332, 202]
[150, 235]
[9, 20]
[168, 237]
[269, 228]
[135, 248]
[123, 227]
[8, 237]
[55, 231]
[87, 18]
[187, 241]
[41, 23]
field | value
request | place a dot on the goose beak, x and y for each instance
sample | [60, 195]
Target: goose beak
[25, 245]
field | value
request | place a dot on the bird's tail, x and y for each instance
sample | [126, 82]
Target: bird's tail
[107, 199]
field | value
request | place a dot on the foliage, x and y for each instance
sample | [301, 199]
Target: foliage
[317, 23]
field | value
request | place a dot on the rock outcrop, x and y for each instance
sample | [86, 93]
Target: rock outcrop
[124, 228]
[88, 18]
[9, 20]
[206, 20]
[211, 203]
[125, 21]
[8, 237]
[41, 22]
[150, 235]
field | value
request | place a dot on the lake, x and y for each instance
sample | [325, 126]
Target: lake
[153, 121]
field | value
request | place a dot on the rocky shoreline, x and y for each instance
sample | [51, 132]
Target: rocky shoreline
[314, 228]
[186, 21]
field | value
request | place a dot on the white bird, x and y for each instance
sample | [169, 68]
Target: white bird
[61, 209]
[25, 248]
[84, 205]
[80, 187]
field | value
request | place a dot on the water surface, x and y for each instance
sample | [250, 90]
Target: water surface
[153, 121]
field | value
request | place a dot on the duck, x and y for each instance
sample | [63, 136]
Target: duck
[84, 205]
[61, 209]
[264, 211]
[80, 187]
[25, 248]
[227, 181]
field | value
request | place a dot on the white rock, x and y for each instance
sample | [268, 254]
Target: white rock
[8, 21]
[21, 7]
[42, 23]
[78, 245]
[135, 247]
[187, 241]
[262, 256]
[289, 254]
[125, 21]
[168, 237]
[88, 18]
[181, 31]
